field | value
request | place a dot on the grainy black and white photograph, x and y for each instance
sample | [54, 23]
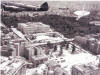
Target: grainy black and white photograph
[47, 37]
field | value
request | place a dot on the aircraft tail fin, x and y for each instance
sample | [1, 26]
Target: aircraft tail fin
[44, 7]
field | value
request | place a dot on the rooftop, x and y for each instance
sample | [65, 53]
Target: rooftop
[97, 23]
[33, 24]
[18, 33]
[86, 68]
[11, 65]
[39, 57]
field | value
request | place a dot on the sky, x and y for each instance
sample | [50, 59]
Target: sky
[51, 0]
[63, 3]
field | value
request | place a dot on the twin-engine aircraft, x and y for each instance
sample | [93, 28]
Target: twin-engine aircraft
[18, 7]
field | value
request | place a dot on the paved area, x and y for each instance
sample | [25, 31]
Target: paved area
[67, 59]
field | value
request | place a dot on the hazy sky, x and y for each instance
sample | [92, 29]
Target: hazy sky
[50, 0]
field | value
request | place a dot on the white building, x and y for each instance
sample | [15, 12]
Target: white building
[85, 70]
[33, 27]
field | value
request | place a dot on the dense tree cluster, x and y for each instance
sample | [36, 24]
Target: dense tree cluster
[62, 24]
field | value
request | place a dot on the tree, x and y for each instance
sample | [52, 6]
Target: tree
[55, 48]
[49, 45]
[67, 45]
[61, 51]
[35, 51]
[73, 48]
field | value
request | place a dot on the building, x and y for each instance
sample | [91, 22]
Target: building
[97, 48]
[46, 35]
[18, 33]
[89, 42]
[40, 70]
[33, 27]
[4, 50]
[32, 50]
[96, 24]
[8, 50]
[81, 40]
[17, 46]
[85, 70]
[52, 64]
[39, 59]
[12, 66]
[60, 71]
